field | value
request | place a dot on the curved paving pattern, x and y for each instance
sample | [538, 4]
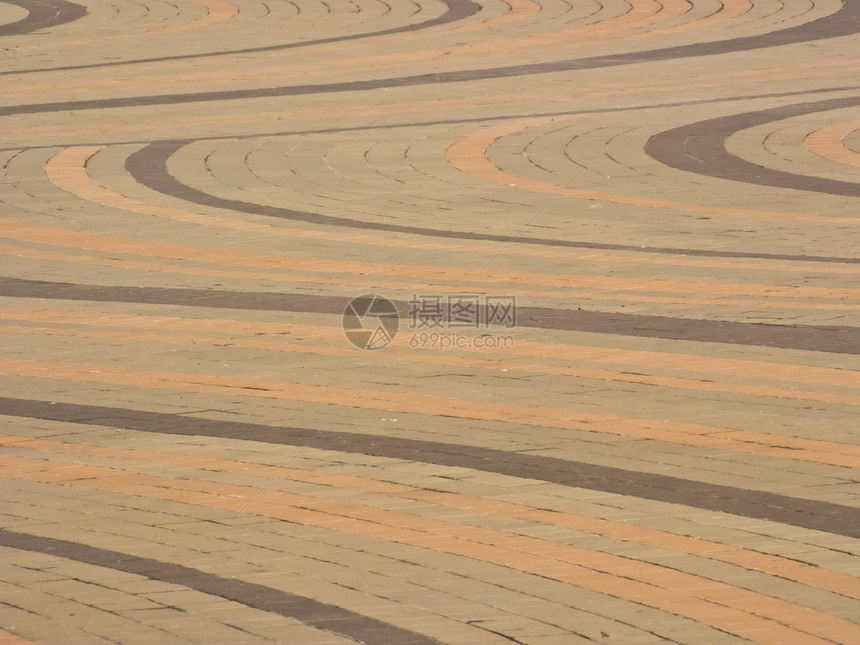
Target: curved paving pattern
[662, 448]
[700, 148]
[321, 616]
[456, 10]
[42, 14]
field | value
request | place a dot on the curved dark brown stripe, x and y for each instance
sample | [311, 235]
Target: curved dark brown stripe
[457, 10]
[483, 119]
[810, 514]
[311, 612]
[843, 22]
[818, 338]
[148, 166]
[42, 14]
[700, 148]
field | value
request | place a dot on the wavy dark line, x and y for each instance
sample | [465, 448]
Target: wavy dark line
[481, 119]
[820, 338]
[700, 148]
[311, 612]
[843, 22]
[148, 166]
[457, 10]
[42, 14]
[810, 514]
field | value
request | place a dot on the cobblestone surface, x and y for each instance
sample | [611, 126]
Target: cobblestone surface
[620, 243]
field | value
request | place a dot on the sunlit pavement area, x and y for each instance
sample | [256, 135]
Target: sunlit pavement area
[463, 322]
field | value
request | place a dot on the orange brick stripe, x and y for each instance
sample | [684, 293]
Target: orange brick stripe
[372, 283]
[837, 582]
[412, 32]
[470, 154]
[67, 170]
[281, 59]
[744, 613]
[686, 434]
[391, 283]
[640, 14]
[839, 23]
[433, 359]
[829, 143]
[629, 26]
[517, 10]
[728, 10]
[397, 110]
[708, 365]
[8, 638]
[216, 11]
[57, 236]
[281, 62]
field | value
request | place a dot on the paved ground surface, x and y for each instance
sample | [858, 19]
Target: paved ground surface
[662, 447]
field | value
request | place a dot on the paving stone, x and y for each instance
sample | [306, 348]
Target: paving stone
[194, 451]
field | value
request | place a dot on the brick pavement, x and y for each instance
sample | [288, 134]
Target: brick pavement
[662, 447]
